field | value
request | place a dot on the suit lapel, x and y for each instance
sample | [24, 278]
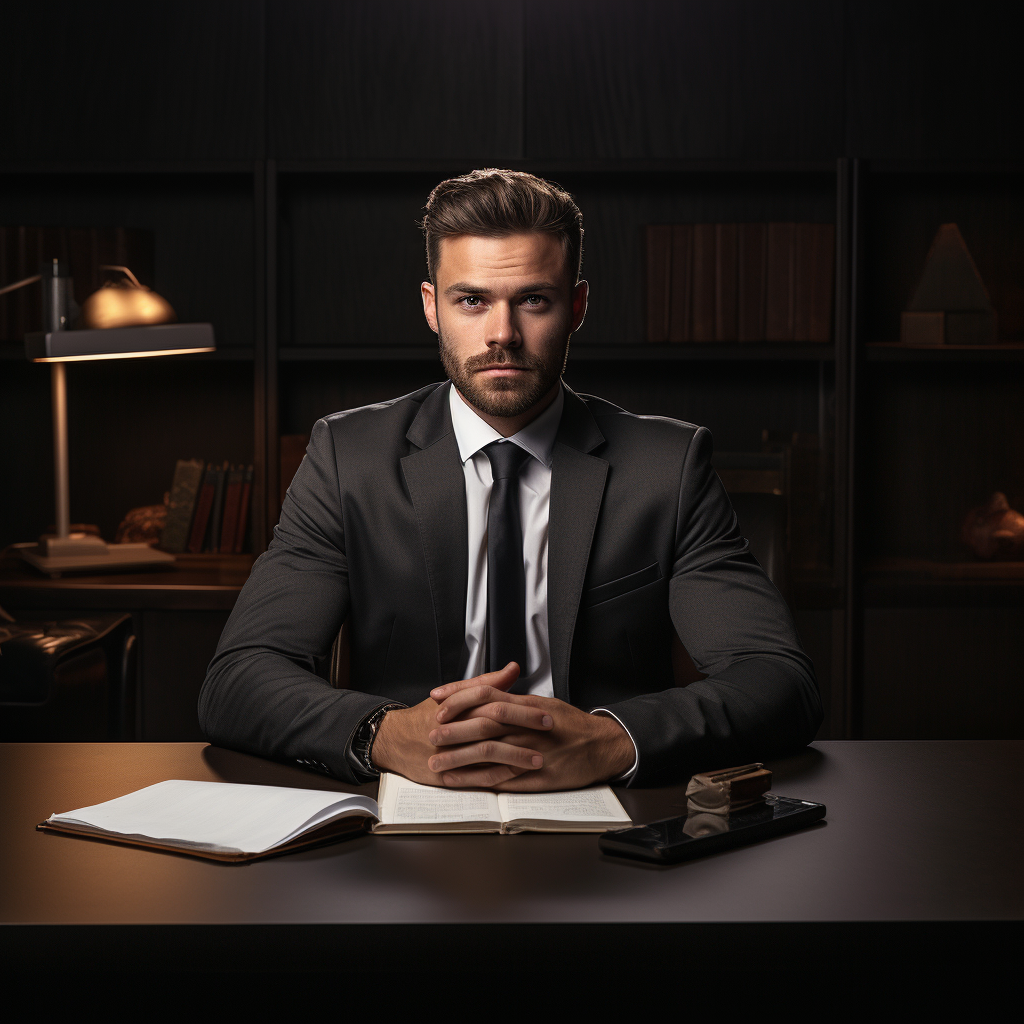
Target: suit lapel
[577, 488]
[437, 488]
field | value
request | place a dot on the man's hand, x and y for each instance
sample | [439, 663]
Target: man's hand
[578, 749]
[404, 742]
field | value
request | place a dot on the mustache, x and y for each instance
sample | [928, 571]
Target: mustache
[520, 361]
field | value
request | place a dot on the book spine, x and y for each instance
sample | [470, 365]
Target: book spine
[188, 475]
[803, 277]
[219, 480]
[202, 516]
[726, 282]
[659, 263]
[779, 289]
[243, 511]
[751, 244]
[232, 498]
[680, 304]
[703, 300]
[822, 289]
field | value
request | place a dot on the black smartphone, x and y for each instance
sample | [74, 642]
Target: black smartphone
[699, 833]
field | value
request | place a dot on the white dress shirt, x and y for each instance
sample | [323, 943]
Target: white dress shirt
[538, 439]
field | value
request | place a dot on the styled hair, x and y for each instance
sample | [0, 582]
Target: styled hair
[495, 203]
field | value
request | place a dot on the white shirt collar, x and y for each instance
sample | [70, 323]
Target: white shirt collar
[537, 437]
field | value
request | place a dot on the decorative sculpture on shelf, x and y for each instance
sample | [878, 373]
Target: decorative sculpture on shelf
[994, 531]
[125, 304]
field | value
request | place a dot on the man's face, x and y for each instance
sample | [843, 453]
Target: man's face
[503, 309]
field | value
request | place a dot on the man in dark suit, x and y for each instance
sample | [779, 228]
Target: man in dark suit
[539, 590]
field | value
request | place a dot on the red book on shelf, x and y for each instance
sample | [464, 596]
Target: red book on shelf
[243, 510]
[232, 505]
[203, 507]
[703, 300]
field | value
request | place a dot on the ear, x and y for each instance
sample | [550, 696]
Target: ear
[579, 305]
[429, 304]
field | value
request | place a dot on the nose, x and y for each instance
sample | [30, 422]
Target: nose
[500, 326]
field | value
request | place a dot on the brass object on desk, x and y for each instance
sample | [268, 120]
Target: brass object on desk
[712, 796]
[125, 304]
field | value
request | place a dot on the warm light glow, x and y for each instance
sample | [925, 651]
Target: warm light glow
[122, 355]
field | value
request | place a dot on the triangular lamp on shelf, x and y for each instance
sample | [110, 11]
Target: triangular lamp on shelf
[121, 321]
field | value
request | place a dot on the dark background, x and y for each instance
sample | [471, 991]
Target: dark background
[280, 152]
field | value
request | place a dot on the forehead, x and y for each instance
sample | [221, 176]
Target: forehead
[534, 255]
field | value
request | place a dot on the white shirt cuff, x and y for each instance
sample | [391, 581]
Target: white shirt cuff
[625, 776]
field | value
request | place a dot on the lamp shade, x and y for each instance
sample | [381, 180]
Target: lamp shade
[119, 342]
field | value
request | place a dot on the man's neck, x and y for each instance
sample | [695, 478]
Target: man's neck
[507, 426]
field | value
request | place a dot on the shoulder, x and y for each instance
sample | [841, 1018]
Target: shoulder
[379, 422]
[661, 435]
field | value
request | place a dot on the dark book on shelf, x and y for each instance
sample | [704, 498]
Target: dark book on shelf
[726, 282]
[23, 249]
[703, 301]
[204, 506]
[659, 267]
[812, 282]
[780, 275]
[188, 475]
[217, 512]
[244, 502]
[680, 297]
[751, 259]
[232, 504]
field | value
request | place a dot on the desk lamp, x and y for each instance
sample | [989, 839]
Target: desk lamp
[122, 322]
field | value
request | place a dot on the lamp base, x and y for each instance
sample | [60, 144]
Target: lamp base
[55, 556]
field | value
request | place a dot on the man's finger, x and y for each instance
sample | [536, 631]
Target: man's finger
[500, 680]
[491, 720]
[477, 696]
[482, 776]
[485, 752]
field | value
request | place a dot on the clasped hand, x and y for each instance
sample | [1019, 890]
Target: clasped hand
[475, 734]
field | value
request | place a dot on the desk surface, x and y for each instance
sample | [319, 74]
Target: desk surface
[916, 831]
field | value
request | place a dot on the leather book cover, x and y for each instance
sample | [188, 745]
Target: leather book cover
[780, 274]
[726, 280]
[217, 512]
[703, 282]
[203, 508]
[751, 245]
[659, 264]
[243, 511]
[682, 281]
[232, 503]
[188, 475]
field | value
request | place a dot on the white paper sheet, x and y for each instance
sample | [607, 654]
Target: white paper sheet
[220, 816]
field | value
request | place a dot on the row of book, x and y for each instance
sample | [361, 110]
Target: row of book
[208, 508]
[23, 249]
[740, 282]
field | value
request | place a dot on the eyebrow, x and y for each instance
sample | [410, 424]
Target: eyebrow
[468, 289]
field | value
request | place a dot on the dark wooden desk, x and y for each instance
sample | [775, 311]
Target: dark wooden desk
[178, 613]
[914, 881]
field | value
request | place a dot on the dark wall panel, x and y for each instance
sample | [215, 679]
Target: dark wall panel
[404, 79]
[726, 79]
[933, 81]
[155, 81]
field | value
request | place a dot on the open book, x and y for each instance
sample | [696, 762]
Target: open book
[233, 822]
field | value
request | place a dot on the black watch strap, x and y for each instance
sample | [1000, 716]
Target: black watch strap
[362, 741]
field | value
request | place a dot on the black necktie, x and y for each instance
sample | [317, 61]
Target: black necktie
[506, 578]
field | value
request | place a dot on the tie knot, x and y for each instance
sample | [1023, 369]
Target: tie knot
[506, 459]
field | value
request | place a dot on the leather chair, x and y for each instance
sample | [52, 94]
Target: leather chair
[67, 680]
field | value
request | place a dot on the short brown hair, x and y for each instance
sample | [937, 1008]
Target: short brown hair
[495, 203]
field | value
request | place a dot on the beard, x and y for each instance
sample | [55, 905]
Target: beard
[503, 396]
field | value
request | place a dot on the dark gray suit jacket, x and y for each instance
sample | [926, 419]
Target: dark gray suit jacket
[643, 544]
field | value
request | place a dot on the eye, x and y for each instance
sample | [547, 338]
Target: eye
[534, 301]
[471, 300]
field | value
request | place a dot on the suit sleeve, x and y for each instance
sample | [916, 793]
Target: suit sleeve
[262, 694]
[760, 697]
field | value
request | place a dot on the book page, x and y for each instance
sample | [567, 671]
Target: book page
[218, 816]
[408, 803]
[597, 803]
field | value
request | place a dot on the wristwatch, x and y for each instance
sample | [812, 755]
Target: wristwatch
[362, 742]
